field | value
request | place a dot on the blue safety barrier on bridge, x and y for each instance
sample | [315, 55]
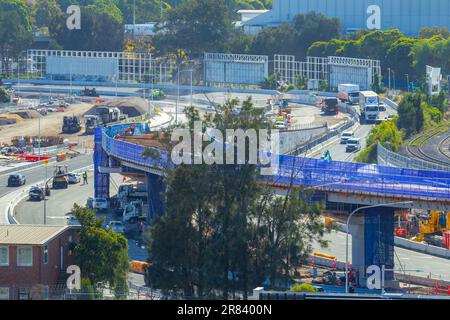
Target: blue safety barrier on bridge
[336, 176]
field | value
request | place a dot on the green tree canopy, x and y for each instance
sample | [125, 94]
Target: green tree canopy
[196, 26]
[15, 29]
[102, 255]
[102, 28]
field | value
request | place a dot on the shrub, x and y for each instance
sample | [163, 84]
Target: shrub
[304, 287]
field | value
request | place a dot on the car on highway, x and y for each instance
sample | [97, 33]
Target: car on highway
[16, 180]
[117, 226]
[74, 178]
[353, 145]
[36, 193]
[346, 135]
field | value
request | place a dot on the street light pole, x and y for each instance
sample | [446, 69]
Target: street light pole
[407, 81]
[389, 71]
[393, 78]
[347, 232]
[178, 94]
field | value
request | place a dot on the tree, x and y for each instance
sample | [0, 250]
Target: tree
[386, 134]
[196, 26]
[223, 233]
[44, 11]
[102, 28]
[102, 255]
[279, 40]
[313, 27]
[15, 30]
[426, 33]
[410, 113]
[4, 96]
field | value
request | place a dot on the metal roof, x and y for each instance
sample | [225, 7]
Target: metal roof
[29, 234]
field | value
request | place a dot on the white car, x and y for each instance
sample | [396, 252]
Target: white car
[74, 178]
[280, 125]
[100, 204]
[346, 135]
[117, 226]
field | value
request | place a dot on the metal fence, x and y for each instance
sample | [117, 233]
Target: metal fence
[388, 158]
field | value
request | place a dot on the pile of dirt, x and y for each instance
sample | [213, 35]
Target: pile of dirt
[133, 107]
[27, 114]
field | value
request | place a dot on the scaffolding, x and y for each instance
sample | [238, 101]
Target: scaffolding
[241, 69]
[335, 70]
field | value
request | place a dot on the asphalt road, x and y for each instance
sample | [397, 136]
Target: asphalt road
[409, 260]
[337, 149]
[37, 174]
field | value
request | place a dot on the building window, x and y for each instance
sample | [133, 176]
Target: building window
[4, 256]
[4, 293]
[24, 257]
[46, 254]
[24, 294]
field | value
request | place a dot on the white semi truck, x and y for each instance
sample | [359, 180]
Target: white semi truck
[369, 104]
[348, 93]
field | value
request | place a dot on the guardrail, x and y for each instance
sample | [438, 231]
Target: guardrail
[389, 158]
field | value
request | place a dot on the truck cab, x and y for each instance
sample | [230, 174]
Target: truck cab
[133, 212]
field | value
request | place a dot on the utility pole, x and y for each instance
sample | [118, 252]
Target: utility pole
[389, 71]
[178, 94]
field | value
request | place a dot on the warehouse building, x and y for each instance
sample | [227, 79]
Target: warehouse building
[409, 16]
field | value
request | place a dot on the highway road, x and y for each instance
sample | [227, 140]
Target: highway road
[409, 260]
[337, 149]
[37, 174]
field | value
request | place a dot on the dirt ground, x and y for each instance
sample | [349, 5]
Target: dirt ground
[50, 125]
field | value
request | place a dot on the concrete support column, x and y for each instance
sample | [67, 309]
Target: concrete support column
[379, 240]
[101, 159]
[155, 188]
[356, 229]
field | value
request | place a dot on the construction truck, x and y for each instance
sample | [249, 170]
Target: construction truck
[108, 115]
[71, 124]
[330, 106]
[91, 122]
[60, 177]
[133, 212]
[89, 92]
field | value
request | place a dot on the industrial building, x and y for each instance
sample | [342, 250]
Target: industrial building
[409, 16]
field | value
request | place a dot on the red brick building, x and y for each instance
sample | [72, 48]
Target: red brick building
[34, 259]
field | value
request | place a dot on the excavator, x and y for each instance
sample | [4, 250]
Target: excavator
[432, 225]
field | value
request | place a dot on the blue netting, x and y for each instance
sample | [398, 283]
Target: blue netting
[322, 174]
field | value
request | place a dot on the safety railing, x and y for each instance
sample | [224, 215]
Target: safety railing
[389, 158]
[325, 175]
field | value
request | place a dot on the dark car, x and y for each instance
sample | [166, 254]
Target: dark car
[16, 180]
[37, 193]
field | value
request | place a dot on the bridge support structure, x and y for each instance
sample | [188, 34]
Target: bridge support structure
[156, 189]
[373, 242]
[101, 159]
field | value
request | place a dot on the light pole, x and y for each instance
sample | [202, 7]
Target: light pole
[393, 78]
[347, 232]
[178, 94]
[389, 71]
[407, 81]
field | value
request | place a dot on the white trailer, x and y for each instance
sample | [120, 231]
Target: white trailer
[369, 104]
[349, 93]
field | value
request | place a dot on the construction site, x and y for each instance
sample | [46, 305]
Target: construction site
[57, 129]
